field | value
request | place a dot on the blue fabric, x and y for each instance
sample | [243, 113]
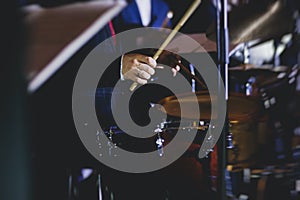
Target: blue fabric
[130, 16]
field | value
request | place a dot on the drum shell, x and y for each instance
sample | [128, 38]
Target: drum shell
[251, 81]
[272, 85]
[246, 143]
[194, 172]
[171, 127]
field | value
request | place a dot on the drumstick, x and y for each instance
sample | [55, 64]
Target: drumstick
[167, 19]
[182, 21]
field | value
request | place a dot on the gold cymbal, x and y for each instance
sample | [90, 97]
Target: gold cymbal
[253, 21]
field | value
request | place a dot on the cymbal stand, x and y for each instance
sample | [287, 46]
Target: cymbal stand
[223, 61]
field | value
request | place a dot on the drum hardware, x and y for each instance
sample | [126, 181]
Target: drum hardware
[168, 128]
[268, 182]
[293, 75]
[272, 85]
[111, 144]
[249, 86]
[159, 141]
[233, 146]
[268, 101]
[230, 144]
[296, 153]
[222, 38]
[246, 53]
[110, 134]
[98, 140]
[210, 139]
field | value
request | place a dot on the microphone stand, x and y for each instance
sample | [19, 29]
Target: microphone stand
[223, 61]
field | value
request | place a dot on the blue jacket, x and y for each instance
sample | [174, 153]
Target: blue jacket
[130, 16]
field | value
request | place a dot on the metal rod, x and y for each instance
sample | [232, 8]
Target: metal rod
[223, 61]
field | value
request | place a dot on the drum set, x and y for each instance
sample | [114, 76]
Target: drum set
[258, 134]
[257, 107]
[258, 97]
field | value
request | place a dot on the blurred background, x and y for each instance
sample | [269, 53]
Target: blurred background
[43, 45]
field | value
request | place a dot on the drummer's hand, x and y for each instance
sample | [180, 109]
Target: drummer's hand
[170, 59]
[175, 70]
[138, 68]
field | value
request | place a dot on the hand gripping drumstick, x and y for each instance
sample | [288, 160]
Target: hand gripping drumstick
[182, 21]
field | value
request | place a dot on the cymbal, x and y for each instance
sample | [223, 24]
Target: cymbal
[193, 43]
[240, 107]
[253, 21]
[56, 34]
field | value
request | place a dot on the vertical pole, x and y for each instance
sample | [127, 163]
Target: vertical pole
[223, 61]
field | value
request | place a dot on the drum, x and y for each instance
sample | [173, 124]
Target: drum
[276, 92]
[243, 112]
[198, 175]
[172, 126]
[169, 129]
[240, 106]
[245, 136]
[245, 144]
[120, 138]
[273, 85]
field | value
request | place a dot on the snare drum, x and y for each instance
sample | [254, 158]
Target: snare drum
[173, 125]
[243, 112]
[198, 175]
[240, 106]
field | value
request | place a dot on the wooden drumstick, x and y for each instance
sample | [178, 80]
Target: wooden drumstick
[167, 19]
[182, 21]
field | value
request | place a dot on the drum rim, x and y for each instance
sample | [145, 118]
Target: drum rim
[235, 117]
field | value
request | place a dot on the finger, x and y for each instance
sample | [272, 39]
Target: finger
[140, 81]
[146, 68]
[134, 76]
[143, 74]
[174, 71]
[147, 60]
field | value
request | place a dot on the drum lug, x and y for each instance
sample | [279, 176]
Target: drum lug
[229, 139]
[112, 146]
[232, 146]
[110, 134]
[208, 152]
[249, 86]
[159, 141]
